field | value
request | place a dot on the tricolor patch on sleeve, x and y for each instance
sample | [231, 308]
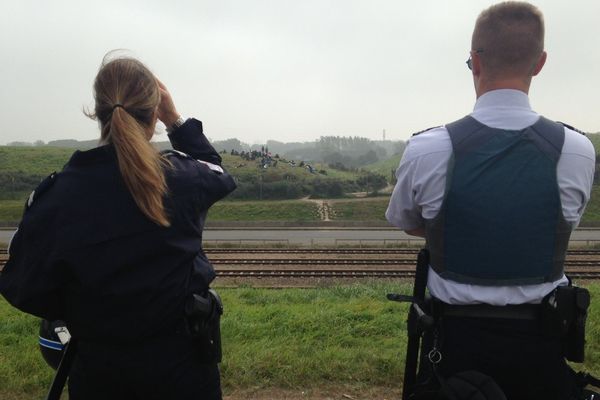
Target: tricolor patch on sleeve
[51, 344]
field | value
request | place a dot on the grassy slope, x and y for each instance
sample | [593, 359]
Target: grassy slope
[385, 167]
[33, 160]
[591, 215]
[282, 210]
[11, 210]
[291, 338]
[42, 160]
[250, 171]
[595, 139]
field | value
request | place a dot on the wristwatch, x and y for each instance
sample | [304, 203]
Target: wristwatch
[180, 121]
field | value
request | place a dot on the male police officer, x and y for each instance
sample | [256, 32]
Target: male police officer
[496, 195]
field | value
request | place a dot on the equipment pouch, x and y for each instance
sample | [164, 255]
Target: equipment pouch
[575, 343]
[203, 320]
[564, 314]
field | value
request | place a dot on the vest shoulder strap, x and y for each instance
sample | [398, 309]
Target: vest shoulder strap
[425, 130]
[467, 133]
[549, 136]
[463, 128]
[571, 127]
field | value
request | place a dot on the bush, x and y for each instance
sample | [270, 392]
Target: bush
[330, 188]
[371, 182]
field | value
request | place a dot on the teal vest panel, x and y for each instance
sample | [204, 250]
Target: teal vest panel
[501, 220]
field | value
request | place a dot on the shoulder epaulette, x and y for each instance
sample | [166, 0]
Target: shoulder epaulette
[175, 153]
[41, 189]
[425, 130]
[571, 128]
[181, 154]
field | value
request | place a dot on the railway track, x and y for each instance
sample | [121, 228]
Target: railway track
[310, 273]
[315, 250]
[344, 262]
[354, 261]
[349, 250]
[405, 274]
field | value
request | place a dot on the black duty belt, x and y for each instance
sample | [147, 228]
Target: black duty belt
[520, 311]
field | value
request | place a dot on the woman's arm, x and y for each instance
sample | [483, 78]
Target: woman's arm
[189, 137]
[31, 278]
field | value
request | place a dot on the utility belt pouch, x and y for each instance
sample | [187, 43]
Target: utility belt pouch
[564, 314]
[203, 320]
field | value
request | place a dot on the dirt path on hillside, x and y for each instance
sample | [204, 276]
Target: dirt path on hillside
[323, 208]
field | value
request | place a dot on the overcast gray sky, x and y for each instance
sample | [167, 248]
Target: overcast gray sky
[287, 70]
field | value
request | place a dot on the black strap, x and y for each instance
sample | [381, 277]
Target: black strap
[413, 329]
[520, 311]
[62, 373]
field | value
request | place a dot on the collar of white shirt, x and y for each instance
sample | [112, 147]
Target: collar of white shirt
[505, 109]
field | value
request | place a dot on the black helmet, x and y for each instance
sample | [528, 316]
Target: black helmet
[51, 346]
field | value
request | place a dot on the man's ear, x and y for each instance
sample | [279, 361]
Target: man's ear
[540, 63]
[476, 63]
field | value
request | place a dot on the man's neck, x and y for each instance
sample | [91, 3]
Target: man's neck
[484, 86]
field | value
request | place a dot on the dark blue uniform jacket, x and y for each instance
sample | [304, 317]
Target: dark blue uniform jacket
[86, 254]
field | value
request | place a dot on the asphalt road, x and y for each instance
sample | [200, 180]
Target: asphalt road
[314, 236]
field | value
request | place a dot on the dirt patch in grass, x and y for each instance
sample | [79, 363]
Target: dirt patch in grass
[320, 393]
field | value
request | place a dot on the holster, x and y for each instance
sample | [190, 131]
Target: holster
[203, 322]
[564, 314]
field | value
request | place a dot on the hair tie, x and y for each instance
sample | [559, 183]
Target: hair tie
[118, 105]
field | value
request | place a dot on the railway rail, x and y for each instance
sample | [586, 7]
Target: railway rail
[344, 262]
[335, 250]
[353, 261]
[405, 274]
[348, 250]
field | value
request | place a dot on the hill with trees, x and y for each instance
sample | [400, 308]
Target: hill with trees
[328, 168]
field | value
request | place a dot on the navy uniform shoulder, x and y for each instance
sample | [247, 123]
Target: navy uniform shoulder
[41, 189]
[175, 153]
[181, 154]
[425, 130]
[571, 127]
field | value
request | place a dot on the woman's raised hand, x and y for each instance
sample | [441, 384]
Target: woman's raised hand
[167, 113]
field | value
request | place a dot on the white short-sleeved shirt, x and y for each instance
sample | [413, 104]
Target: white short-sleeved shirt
[419, 192]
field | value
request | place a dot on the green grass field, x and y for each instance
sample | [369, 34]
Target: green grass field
[11, 211]
[595, 139]
[385, 167]
[347, 336]
[367, 209]
[33, 160]
[278, 210]
[43, 160]
[592, 211]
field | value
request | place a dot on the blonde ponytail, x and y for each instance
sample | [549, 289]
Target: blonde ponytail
[127, 96]
[140, 164]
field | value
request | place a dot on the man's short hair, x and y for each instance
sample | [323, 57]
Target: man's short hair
[510, 38]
